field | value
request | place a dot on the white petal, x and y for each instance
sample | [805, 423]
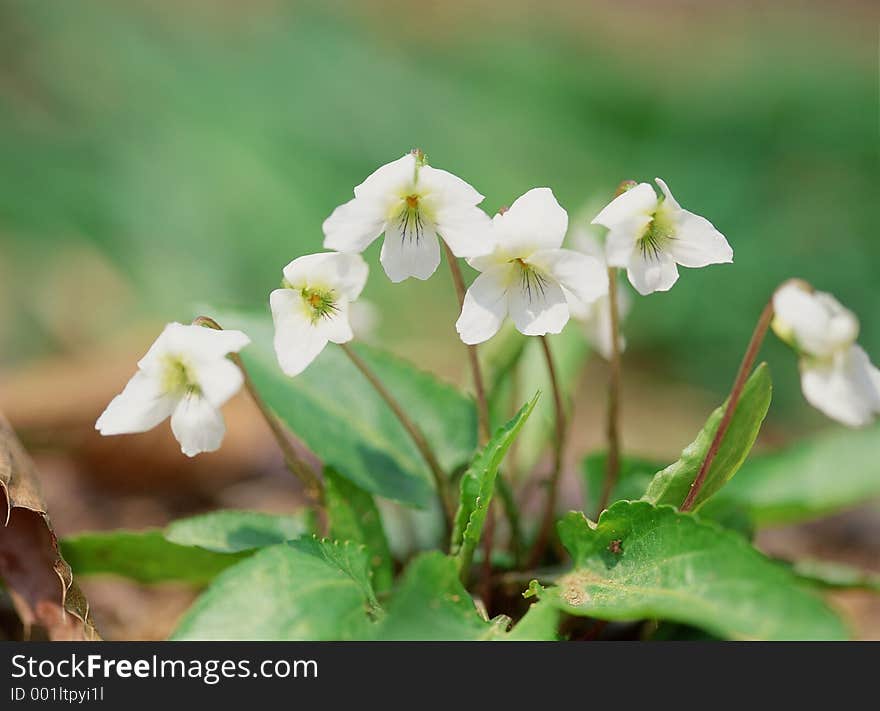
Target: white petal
[354, 225]
[485, 305]
[344, 273]
[580, 310]
[599, 329]
[336, 327]
[538, 310]
[534, 221]
[139, 407]
[600, 335]
[389, 181]
[697, 243]
[636, 202]
[443, 189]
[649, 273]
[670, 201]
[467, 231]
[195, 343]
[620, 243]
[584, 276]
[297, 341]
[451, 202]
[197, 425]
[819, 323]
[219, 380]
[413, 254]
[161, 346]
[846, 389]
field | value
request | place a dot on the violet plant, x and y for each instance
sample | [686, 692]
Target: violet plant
[420, 524]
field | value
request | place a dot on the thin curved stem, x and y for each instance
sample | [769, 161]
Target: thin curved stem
[476, 373]
[742, 375]
[412, 429]
[558, 449]
[314, 487]
[612, 471]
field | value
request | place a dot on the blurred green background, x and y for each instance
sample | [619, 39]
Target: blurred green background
[161, 154]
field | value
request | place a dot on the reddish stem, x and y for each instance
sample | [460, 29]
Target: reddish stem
[745, 369]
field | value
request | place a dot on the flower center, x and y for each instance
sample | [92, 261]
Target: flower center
[409, 221]
[320, 302]
[178, 377]
[532, 282]
[658, 233]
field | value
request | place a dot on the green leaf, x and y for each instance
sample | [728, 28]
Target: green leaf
[478, 485]
[234, 531]
[431, 604]
[831, 574]
[523, 371]
[353, 516]
[303, 590]
[641, 561]
[334, 410]
[814, 478]
[539, 624]
[144, 556]
[636, 475]
[671, 485]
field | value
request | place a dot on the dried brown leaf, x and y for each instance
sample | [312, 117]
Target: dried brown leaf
[38, 579]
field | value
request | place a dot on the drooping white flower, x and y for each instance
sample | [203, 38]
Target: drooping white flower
[185, 375]
[596, 317]
[649, 236]
[414, 205]
[313, 307]
[528, 275]
[837, 377]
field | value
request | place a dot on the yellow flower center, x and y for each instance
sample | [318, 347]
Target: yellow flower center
[659, 231]
[177, 377]
[320, 302]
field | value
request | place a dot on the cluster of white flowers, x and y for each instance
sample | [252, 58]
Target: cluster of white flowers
[524, 273]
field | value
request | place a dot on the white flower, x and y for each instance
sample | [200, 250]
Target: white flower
[185, 375]
[837, 377]
[528, 275]
[650, 235]
[596, 317]
[413, 204]
[313, 307]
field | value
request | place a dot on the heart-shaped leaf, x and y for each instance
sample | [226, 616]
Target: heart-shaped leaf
[303, 590]
[353, 516]
[334, 410]
[642, 561]
[232, 531]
